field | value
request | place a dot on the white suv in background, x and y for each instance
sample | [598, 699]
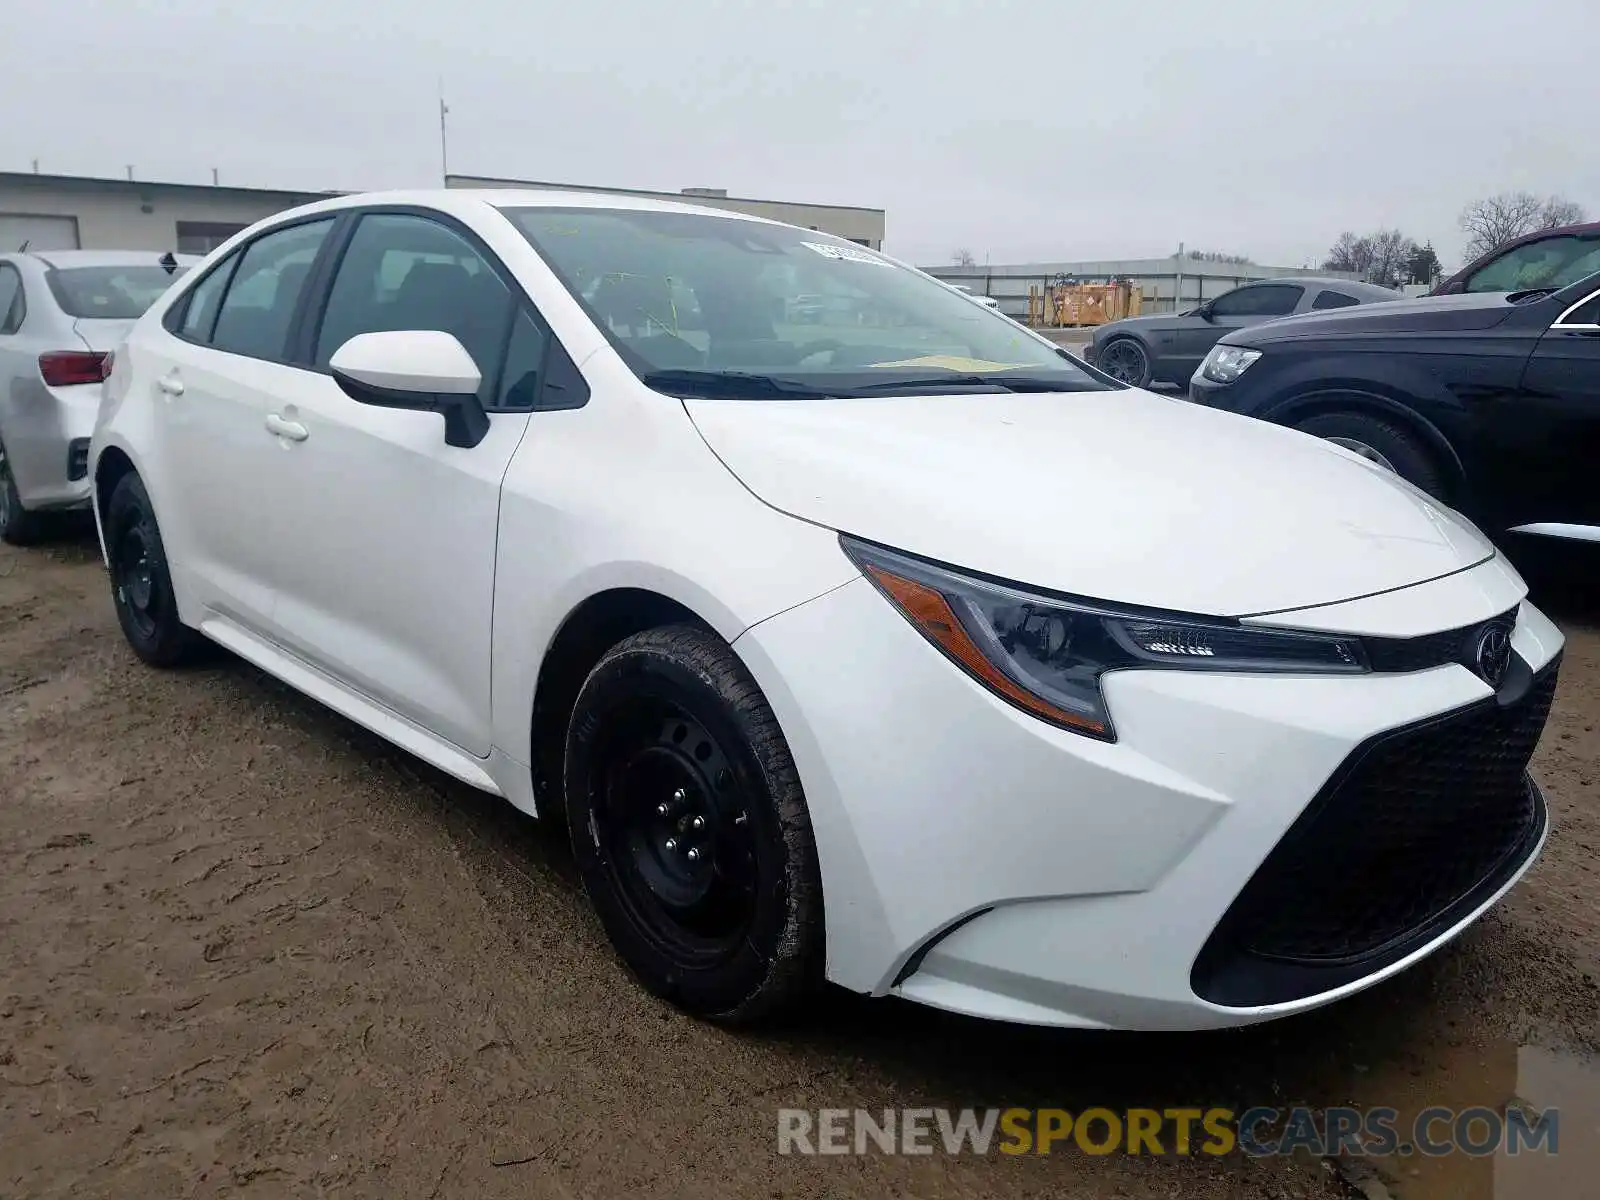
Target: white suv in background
[892, 647]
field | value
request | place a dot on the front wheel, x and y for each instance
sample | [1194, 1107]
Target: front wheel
[141, 582]
[690, 829]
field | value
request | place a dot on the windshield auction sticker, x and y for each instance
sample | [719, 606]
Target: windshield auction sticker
[846, 254]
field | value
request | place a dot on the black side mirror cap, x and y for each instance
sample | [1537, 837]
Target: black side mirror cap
[465, 422]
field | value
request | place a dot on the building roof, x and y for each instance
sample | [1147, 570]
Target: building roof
[105, 183]
[687, 195]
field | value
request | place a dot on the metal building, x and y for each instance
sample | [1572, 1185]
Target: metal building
[861, 225]
[67, 212]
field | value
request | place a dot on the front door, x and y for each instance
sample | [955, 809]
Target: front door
[1552, 449]
[1248, 305]
[390, 585]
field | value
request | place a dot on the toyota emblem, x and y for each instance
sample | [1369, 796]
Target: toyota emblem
[1493, 655]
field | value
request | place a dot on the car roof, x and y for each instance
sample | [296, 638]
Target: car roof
[1355, 286]
[108, 258]
[462, 200]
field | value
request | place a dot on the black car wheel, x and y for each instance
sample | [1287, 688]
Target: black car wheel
[18, 526]
[141, 583]
[1384, 442]
[690, 829]
[1125, 359]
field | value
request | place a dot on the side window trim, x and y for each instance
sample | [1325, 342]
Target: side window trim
[174, 317]
[1564, 321]
[18, 305]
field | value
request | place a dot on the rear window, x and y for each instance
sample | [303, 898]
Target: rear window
[112, 293]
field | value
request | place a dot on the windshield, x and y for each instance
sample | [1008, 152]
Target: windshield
[1554, 263]
[112, 293]
[706, 305]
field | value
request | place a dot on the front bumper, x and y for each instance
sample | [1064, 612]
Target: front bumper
[1212, 395]
[978, 860]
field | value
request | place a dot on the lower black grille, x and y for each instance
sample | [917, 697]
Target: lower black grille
[1416, 828]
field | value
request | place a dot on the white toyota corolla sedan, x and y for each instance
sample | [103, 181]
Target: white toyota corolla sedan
[891, 647]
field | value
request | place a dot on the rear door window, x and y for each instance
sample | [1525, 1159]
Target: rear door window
[265, 290]
[1328, 298]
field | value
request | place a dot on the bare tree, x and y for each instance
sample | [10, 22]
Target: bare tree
[1349, 253]
[965, 258]
[1382, 257]
[1558, 212]
[1391, 257]
[1495, 220]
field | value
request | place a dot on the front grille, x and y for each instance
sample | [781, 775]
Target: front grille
[1416, 828]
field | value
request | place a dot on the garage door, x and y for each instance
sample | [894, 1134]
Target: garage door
[41, 233]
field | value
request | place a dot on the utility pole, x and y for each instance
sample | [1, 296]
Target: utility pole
[1177, 283]
[444, 138]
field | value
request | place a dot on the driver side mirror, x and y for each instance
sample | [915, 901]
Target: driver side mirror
[1204, 311]
[424, 370]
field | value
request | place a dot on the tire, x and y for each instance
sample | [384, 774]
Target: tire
[141, 582]
[1386, 442]
[1133, 359]
[18, 526]
[724, 920]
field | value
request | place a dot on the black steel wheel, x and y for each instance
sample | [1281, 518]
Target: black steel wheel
[689, 828]
[141, 584]
[1125, 359]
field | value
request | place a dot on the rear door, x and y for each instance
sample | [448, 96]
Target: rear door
[1553, 455]
[216, 367]
[388, 583]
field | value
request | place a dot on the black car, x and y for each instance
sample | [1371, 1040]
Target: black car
[1167, 347]
[1490, 402]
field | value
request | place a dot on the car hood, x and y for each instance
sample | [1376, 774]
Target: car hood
[1118, 495]
[1427, 314]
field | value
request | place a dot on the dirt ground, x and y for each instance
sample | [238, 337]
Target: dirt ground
[247, 949]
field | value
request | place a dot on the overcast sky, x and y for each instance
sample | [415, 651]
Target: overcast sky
[1020, 129]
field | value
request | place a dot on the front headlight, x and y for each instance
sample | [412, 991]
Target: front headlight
[1226, 363]
[1046, 654]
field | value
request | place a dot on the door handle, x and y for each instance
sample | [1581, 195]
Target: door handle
[292, 430]
[171, 385]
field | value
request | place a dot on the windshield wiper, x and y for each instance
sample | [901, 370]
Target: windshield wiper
[1004, 381]
[725, 384]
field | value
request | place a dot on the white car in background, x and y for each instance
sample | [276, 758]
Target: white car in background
[60, 312]
[986, 301]
[905, 653]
